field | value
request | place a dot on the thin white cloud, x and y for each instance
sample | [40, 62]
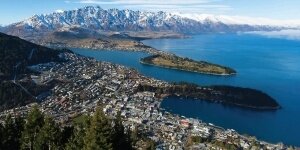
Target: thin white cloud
[175, 8]
[59, 11]
[195, 6]
[193, 9]
[286, 34]
[144, 2]
[242, 20]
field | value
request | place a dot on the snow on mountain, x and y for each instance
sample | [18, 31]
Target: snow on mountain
[96, 18]
[238, 20]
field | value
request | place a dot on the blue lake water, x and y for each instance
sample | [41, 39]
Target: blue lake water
[268, 64]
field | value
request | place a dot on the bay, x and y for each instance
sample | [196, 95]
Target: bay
[267, 64]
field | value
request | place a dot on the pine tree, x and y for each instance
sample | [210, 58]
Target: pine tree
[19, 125]
[8, 132]
[33, 125]
[150, 145]
[1, 136]
[11, 133]
[100, 133]
[134, 136]
[76, 141]
[49, 136]
[66, 134]
[120, 138]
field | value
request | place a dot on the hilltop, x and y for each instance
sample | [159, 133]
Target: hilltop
[16, 52]
[16, 55]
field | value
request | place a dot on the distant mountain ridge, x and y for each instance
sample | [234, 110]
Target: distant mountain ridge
[96, 18]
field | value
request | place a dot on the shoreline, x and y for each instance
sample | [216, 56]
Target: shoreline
[205, 73]
[225, 103]
[63, 71]
[262, 101]
[139, 46]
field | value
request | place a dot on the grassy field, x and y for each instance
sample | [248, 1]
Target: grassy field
[175, 62]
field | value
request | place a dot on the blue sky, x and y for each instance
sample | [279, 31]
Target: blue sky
[17, 10]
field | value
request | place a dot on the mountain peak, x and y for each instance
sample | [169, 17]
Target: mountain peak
[95, 18]
[91, 8]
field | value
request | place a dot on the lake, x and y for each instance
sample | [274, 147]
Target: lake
[268, 64]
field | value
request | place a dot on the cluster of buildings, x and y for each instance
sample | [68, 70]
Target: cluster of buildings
[81, 84]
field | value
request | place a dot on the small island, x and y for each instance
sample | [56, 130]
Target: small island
[186, 64]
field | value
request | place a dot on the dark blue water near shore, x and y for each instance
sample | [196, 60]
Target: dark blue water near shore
[267, 64]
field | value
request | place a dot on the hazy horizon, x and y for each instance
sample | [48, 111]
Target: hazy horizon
[14, 10]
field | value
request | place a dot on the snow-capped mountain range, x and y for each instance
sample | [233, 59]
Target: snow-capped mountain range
[96, 18]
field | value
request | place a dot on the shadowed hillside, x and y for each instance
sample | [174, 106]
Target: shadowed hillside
[15, 55]
[18, 53]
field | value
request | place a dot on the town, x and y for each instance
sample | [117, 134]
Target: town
[82, 84]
